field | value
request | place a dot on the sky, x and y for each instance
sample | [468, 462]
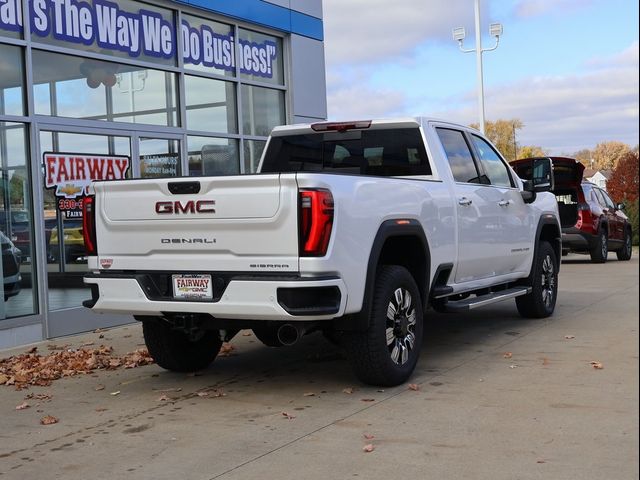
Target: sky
[568, 69]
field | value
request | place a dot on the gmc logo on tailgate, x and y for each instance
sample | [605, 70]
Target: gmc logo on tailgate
[192, 206]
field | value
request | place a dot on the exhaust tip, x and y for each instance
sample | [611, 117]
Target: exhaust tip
[288, 334]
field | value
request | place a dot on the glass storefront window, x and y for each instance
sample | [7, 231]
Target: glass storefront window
[213, 156]
[260, 57]
[125, 29]
[262, 109]
[210, 105]
[75, 87]
[16, 224]
[106, 156]
[11, 80]
[207, 46]
[159, 157]
[252, 152]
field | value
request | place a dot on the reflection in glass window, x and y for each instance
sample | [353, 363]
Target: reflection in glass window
[213, 156]
[260, 57]
[493, 165]
[262, 109]
[208, 46]
[159, 157]
[210, 104]
[11, 80]
[252, 152]
[16, 224]
[67, 86]
[97, 28]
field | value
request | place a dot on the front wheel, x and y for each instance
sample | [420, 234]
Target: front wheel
[174, 350]
[625, 252]
[541, 301]
[386, 354]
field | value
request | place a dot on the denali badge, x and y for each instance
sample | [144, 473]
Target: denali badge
[188, 240]
[192, 206]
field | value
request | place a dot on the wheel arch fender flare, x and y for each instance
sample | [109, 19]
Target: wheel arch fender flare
[548, 230]
[399, 228]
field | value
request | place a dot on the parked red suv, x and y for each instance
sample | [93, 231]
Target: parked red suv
[591, 222]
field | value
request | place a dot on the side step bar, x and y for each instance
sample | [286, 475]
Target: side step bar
[483, 300]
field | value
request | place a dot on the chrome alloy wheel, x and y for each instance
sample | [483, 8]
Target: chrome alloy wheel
[548, 281]
[401, 326]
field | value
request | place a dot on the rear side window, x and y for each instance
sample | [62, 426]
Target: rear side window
[493, 165]
[393, 152]
[460, 159]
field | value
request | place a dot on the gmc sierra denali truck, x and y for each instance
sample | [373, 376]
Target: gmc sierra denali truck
[354, 229]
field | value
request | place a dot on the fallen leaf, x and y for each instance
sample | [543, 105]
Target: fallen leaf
[101, 409]
[169, 390]
[3, 379]
[507, 355]
[202, 394]
[288, 416]
[101, 336]
[226, 350]
[32, 350]
[98, 330]
[99, 387]
[569, 337]
[48, 420]
[117, 392]
[414, 386]
[246, 334]
[513, 366]
[22, 406]
[348, 390]
[309, 394]
[367, 399]
[87, 344]
[596, 365]
[368, 448]
[369, 436]
[540, 461]
[545, 361]
[164, 398]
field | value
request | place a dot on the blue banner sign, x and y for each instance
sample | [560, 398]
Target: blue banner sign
[142, 32]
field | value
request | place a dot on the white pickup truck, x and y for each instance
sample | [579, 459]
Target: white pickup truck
[354, 229]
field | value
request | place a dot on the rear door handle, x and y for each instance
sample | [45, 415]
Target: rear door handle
[465, 202]
[504, 203]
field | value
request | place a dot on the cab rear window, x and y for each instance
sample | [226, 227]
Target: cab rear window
[391, 152]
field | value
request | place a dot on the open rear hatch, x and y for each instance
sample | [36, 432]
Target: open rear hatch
[226, 224]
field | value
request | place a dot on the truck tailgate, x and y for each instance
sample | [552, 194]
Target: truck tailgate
[239, 224]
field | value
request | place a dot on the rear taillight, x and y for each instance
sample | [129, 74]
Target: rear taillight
[89, 225]
[316, 221]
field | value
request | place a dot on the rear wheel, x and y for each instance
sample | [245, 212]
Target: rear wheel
[386, 354]
[541, 301]
[175, 350]
[600, 250]
[625, 252]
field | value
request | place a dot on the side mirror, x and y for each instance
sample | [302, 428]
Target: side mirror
[620, 206]
[542, 176]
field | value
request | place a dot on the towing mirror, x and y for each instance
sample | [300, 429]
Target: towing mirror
[542, 177]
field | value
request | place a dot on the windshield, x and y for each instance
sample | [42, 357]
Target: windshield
[391, 152]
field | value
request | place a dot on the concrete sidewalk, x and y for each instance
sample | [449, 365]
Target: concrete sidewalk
[544, 412]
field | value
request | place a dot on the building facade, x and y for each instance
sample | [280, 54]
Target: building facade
[101, 89]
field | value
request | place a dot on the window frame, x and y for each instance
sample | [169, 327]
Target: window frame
[479, 161]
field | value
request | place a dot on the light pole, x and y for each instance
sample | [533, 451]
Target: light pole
[495, 29]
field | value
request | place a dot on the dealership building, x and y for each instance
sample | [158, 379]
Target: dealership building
[101, 89]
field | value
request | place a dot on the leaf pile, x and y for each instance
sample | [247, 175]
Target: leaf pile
[33, 369]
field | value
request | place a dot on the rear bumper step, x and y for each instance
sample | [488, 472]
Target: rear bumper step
[488, 299]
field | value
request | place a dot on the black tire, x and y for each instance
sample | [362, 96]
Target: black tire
[600, 250]
[625, 252]
[386, 354]
[541, 301]
[268, 336]
[174, 351]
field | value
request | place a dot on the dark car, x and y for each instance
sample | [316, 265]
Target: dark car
[591, 222]
[10, 267]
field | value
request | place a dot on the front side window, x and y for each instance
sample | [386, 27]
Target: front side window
[493, 165]
[459, 156]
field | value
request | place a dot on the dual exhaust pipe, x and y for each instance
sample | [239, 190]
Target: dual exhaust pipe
[289, 333]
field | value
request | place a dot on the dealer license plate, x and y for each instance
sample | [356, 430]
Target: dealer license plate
[192, 287]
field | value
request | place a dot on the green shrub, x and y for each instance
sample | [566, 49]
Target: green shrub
[632, 213]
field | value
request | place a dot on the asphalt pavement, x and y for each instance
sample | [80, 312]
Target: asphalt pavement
[494, 396]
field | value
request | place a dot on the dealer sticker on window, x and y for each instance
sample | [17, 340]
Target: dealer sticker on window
[192, 287]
